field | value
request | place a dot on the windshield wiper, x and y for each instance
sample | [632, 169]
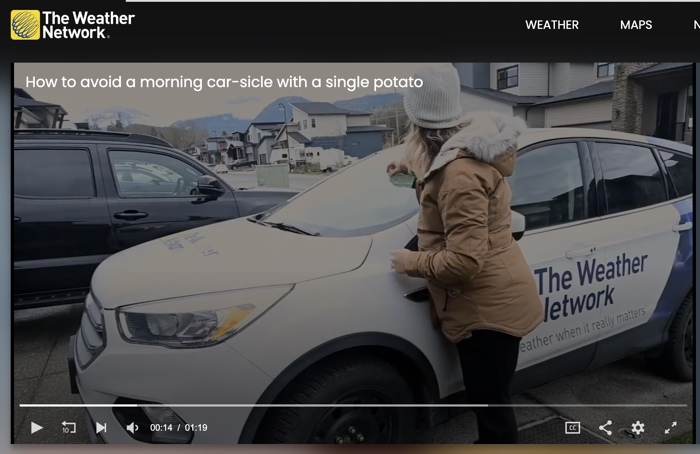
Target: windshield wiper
[284, 227]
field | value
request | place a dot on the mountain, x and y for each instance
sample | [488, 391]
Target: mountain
[370, 103]
[218, 123]
[273, 113]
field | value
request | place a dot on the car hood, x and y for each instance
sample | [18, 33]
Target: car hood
[226, 256]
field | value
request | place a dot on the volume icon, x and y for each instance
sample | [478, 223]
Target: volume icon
[132, 427]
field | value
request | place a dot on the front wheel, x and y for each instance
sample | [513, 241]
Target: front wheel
[677, 361]
[347, 381]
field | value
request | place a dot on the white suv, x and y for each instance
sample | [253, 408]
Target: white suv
[291, 327]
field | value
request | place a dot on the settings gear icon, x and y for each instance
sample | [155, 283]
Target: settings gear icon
[638, 428]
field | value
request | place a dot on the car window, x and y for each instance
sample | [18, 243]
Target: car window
[138, 176]
[632, 176]
[680, 169]
[53, 174]
[144, 174]
[547, 186]
[358, 200]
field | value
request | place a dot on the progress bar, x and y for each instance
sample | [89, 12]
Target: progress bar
[353, 405]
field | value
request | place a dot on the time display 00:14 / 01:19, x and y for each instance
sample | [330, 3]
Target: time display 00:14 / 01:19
[178, 427]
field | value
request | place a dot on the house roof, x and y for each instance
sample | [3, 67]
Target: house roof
[661, 68]
[324, 108]
[261, 123]
[299, 137]
[19, 102]
[508, 98]
[268, 126]
[372, 128]
[22, 93]
[590, 91]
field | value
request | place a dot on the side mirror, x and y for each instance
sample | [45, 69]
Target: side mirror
[517, 225]
[210, 186]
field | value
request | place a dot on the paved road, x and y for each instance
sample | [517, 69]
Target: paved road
[41, 376]
[248, 179]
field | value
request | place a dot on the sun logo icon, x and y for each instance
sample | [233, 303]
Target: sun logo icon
[25, 24]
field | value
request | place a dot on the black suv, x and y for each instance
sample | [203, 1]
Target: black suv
[81, 196]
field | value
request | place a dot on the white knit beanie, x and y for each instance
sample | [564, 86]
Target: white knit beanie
[436, 104]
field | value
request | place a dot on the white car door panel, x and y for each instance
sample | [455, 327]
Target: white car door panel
[640, 250]
[552, 189]
[643, 232]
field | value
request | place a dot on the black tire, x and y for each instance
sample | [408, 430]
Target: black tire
[677, 360]
[343, 380]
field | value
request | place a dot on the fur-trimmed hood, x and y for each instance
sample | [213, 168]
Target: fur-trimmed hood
[489, 137]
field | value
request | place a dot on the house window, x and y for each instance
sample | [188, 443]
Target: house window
[606, 69]
[259, 137]
[313, 122]
[507, 77]
[305, 124]
[248, 137]
[689, 108]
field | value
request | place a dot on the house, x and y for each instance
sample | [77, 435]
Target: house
[30, 113]
[324, 125]
[259, 139]
[540, 93]
[215, 152]
[654, 99]
[197, 151]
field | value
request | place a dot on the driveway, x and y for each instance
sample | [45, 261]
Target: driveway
[41, 376]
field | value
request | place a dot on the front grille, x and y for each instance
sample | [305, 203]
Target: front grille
[91, 337]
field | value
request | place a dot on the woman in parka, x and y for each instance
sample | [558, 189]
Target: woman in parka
[482, 289]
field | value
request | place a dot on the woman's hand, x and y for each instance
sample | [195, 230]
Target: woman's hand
[398, 260]
[396, 167]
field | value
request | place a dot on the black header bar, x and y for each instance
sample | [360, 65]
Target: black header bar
[286, 31]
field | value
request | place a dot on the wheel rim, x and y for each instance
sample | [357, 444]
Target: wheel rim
[357, 425]
[689, 342]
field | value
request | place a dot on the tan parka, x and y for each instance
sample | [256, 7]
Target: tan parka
[477, 276]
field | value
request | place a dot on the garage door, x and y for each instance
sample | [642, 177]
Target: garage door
[607, 125]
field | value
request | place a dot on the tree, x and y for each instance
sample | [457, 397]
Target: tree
[117, 125]
[393, 117]
[94, 123]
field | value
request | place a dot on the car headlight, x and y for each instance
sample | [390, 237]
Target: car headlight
[197, 321]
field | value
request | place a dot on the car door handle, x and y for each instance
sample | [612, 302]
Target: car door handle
[574, 253]
[421, 295]
[130, 215]
[683, 227]
[16, 219]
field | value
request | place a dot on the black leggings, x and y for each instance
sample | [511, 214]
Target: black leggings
[488, 360]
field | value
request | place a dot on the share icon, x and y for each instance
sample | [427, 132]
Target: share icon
[603, 427]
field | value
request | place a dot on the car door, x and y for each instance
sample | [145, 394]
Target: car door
[151, 194]
[643, 229]
[61, 227]
[554, 188]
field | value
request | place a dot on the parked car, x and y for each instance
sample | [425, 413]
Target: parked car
[318, 318]
[81, 196]
[240, 163]
[221, 168]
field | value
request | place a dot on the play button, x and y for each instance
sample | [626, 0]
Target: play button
[36, 427]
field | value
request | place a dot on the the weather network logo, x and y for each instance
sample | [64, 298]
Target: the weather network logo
[25, 24]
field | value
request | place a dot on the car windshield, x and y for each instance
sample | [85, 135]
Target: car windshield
[358, 200]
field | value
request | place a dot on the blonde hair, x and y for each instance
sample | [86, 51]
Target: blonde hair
[422, 145]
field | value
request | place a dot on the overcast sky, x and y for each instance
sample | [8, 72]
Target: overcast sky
[162, 107]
